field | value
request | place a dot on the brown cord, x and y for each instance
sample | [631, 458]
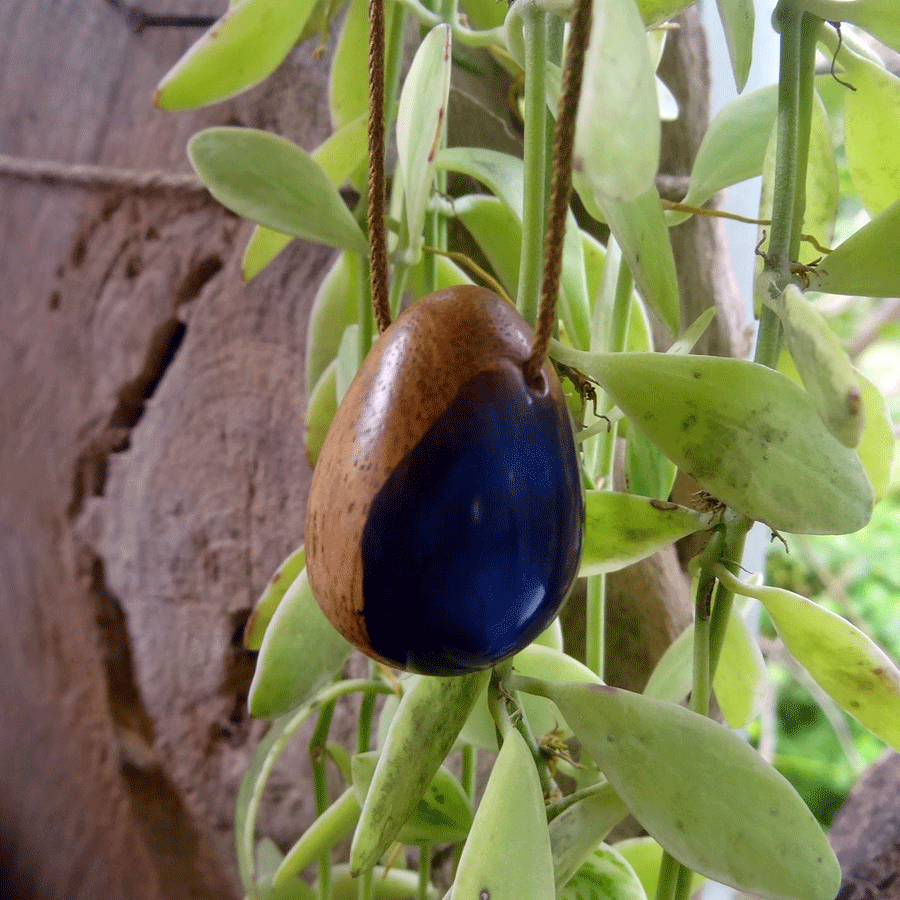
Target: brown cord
[378, 263]
[561, 186]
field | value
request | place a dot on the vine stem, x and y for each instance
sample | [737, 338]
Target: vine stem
[561, 186]
[378, 262]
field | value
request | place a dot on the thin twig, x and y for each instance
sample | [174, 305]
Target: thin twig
[561, 186]
[378, 262]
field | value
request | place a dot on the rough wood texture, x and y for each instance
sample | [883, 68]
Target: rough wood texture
[865, 834]
[151, 470]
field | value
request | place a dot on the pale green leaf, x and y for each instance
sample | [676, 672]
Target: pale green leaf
[421, 123]
[617, 133]
[272, 594]
[640, 228]
[334, 308]
[507, 854]
[747, 433]
[269, 180]
[498, 233]
[878, 17]
[262, 247]
[738, 19]
[655, 12]
[301, 651]
[577, 830]
[348, 86]
[734, 146]
[851, 668]
[867, 264]
[621, 529]
[348, 360]
[443, 815]
[876, 447]
[644, 856]
[248, 43]
[320, 410]
[683, 776]
[648, 471]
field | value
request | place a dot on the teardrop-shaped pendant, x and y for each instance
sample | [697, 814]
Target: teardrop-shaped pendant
[445, 518]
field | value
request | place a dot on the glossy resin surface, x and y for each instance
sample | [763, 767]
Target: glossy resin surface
[444, 524]
[472, 544]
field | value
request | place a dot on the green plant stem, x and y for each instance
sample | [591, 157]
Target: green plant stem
[424, 872]
[604, 458]
[669, 874]
[395, 28]
[332, 826]
[540, 762]
[366, 712]
[534, 29]
[320, 785]
[490, 37]
[366, 886]
[365, 312]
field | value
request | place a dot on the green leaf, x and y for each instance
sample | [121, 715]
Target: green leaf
[334, 308]
[748, 434]
[497, 232]
[272, 595]
[876, 447]
[640, 229]
[447, 272]
[872, 132]
[740, 677]
[684, 776]
[536, 661]
[262, 247]
[617, 133]
[606, 875]
[269, 180]
[388, 883]
[301, 652]
[878, 17]
[420, 736]
[348, 360]
[621, 529]
[644, 855]
[655, 12]
[328, 829]
[421, 124]
[734, 146]
[648, 471]
[820, 359]
[248, 43]
[507, 854]
[867, 264]
[321, 408]
[851, 668]
[577, 830]
[443, 815]
[738, 20]
[348, 86]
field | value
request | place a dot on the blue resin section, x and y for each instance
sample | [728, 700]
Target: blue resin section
[472, 544]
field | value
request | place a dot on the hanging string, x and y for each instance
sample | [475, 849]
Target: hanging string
[561, 186]
[378, 264]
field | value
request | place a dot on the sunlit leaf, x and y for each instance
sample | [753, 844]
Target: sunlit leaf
[240, 50]
[683, 776]
[848, 665]
[867, 264]
[269, 180]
